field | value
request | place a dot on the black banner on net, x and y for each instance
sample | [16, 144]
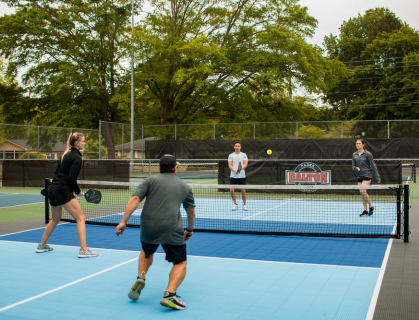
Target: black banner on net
[406, 148]
[32, 173]
[309, 171]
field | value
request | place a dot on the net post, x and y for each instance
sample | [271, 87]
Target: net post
[399, 210]
[46, 201]
[406, 218]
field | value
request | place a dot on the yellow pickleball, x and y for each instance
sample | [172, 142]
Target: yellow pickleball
[269, 151]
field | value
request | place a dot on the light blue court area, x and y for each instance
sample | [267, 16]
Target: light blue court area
[58, 285]
[18, 199]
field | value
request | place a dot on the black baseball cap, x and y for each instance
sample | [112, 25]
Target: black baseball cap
[168, 162]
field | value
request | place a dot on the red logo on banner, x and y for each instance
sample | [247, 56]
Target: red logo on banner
[307, 173]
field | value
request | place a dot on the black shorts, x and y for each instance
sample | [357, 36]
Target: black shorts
[174, 253]
[238, 181]
[58, 198]
[364, 179]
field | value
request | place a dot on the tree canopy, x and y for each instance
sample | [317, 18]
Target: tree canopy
[381, 54]
[75, 52]
[193, 57]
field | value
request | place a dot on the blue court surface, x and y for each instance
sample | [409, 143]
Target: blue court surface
[229, 276]
[18, 199]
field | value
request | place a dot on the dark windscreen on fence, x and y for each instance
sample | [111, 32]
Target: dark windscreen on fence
[32, 173]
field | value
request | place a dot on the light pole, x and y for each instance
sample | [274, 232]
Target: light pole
[132, 94]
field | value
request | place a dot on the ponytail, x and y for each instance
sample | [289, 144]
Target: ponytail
[72, 139]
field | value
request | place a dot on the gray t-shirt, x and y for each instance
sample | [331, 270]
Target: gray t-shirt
[161, 221]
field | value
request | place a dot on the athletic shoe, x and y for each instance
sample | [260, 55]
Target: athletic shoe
[234, 207]
[371, 211]
[171, 300]
[135, 291]
[43, 248]
[364, 213]
[245, 208]
[87, 254]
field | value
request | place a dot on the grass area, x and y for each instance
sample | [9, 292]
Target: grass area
[22, 212]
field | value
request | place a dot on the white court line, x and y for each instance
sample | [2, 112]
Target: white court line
[266, 210]
[19, 205]
[376, 292]
[64, 286]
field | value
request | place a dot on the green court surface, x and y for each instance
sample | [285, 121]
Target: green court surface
[21, 212]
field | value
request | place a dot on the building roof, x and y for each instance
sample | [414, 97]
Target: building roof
[59, 146]
[138, 144]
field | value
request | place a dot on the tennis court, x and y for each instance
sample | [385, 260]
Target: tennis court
[230, 275]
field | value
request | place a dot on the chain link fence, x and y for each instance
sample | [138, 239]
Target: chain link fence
[38, 142]
[116, 137]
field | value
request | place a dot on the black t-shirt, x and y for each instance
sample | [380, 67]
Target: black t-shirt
[65, 177]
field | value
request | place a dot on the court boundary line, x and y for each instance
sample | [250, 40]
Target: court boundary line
[19, 205]
[64, 286]
[374, 299]
[207, 257]
[282, 204]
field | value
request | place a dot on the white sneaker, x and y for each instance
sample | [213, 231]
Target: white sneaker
[245, 208]
[87, 254]
[234, 207]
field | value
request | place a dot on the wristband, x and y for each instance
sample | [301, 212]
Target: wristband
[188, 230]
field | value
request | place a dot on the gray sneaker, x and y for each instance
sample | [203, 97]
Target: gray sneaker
[171, 300]
[135, 291]
[43, 248]
[87, 254]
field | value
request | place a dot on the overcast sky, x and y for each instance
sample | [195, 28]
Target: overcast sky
[331, 13]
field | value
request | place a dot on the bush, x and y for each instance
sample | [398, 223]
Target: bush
[32, 155]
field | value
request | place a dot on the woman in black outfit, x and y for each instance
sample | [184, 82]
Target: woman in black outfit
[61, 193]
[364, 167]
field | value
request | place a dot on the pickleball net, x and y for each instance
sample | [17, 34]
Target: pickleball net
[312, 210]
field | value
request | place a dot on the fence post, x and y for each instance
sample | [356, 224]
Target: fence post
[46, 201]
[406, 218]
[122, 146]
[254, 131]
[100, 136]
[175, 132]
[341, 130]
[296, 129]
[388, 129]
[142, 148]
[214, 132]
[38, 142]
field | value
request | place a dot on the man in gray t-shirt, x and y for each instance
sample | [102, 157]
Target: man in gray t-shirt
[162, 224]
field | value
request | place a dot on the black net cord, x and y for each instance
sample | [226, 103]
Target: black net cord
[46, 201]
[399, 210]
[406, 222]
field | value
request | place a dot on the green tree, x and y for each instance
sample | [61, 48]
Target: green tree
[193, 57]
[74, 50]
[382, 80]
